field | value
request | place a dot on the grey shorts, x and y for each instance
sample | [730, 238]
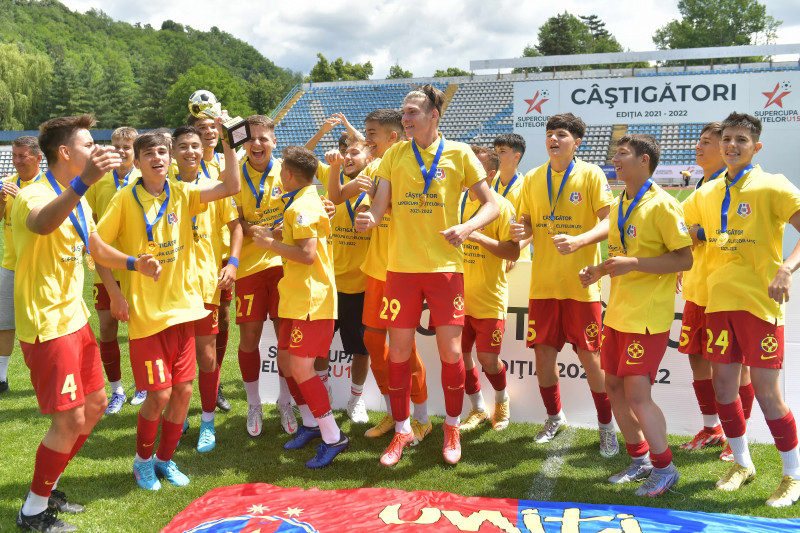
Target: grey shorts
[6, 299]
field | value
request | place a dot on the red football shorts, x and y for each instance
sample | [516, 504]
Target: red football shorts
[209, 325]
[306, 338]
[693, 329]
[632, 354]
[165, 358]
[373, 302]
[741, 337]
[102, 301]
[227, 294]
[553, 322]
[64, 370]
[485, 333]
[405, 293]
[257, 295]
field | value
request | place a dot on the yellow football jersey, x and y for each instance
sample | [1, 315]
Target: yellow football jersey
[377, 257]
[9, 254]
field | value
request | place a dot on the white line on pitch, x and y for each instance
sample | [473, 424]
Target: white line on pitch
[545, 482]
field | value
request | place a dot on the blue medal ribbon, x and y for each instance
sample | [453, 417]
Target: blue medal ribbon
[216, 157]
[34, 180]
[561, 188]
[159, 216]
[351, 209]
[621, 220]
[260, 194]
[79, 222]
[463, 207]
[124, 181]
[428, 175]
[290, 196]
[714, 176]
[510, 183]
[726, 202]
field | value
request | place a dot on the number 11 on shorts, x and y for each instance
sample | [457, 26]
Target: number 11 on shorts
[160, 365]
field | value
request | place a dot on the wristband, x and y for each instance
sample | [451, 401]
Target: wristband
[78, 186]
[131, 264]
[701, 234]
[233, 261]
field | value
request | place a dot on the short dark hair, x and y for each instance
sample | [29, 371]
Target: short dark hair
[343, 141]
[28, 141]
[743, 120]
[515, 141]
[391, 119]
[185, 130]
[261, 120]
[125, 132]
[300, 161]
[643, 144]
[59, 131]
[149, 140]
[714, 127]
[493, 159]
[434, 98]
[575, 125]
[192, 120]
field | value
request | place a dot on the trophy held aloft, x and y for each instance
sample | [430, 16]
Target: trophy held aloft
[203, 104]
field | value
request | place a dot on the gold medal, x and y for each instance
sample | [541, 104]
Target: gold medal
[722, 239]
[551, 228]
[196, 236]
[422, 199]
[259, 214]
[90, 262]
[152, 247]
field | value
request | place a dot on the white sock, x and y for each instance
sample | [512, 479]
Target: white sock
[559, 416]
[329, 429]
[34, 504]
[308, 417]
[56, 483]
[356, 391]
[642, 459]
[421, 412]
[741, 451]
[500, 396]
[253, 396]
[138, 459]
[477, 401]
[403, 426]
[710, 421]
[4, 360]
[791, 463]
[284, 396]
[207, 417]
[323, 375]
[610, 425]
[116, 387]
[388, 402]
[452, 420]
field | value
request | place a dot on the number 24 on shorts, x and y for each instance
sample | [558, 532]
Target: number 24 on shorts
[392, 306]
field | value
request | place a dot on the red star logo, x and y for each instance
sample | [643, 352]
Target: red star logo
[533, 105]
[771, 98]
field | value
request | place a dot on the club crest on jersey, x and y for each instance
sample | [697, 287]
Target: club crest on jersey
[682, 227]
[631, 231]
[744, 210]
[607, 188]
[172, 219]
[575, 197]
[439, 174]
[276, 191]
[302, 219]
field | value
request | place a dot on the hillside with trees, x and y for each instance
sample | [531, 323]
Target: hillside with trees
[54, 61]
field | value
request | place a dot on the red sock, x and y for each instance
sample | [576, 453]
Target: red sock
[208, 383]
[637, 450]
[170, 435]
[249, 364]
[453, 385]
[375, 343]
[472, 382]
[294, 390]
[222, 345]
[419, 387]
[400, 389]
[603, 406]
[747, 394]
[551, 396]
[109, 354]
[77, 446]
[704, 391]
[498, 380]
[146, 432]
[661, 460]
[732, 418]
[316, 396]
[784, 431]
[49, 465]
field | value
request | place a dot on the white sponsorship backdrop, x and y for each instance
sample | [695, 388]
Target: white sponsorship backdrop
[673, 389]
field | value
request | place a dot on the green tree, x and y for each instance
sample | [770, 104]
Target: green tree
[450, 72]
[117, 104]
[396, 72]
[215, 79]
[339, 70]
[22, 86]
[707, 23]
[264, 94]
